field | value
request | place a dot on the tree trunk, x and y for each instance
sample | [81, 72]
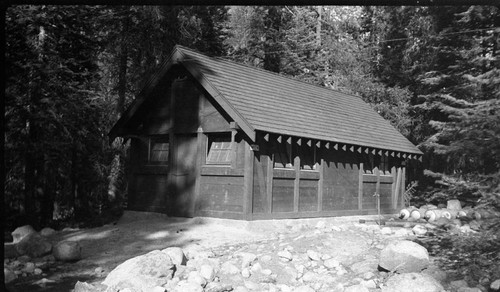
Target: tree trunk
[122, 70]
[318, 26]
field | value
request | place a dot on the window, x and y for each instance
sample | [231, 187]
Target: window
[282, 156]
[158, 150]
[219, 149]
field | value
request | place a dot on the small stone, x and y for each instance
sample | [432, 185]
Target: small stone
[247, 259]
[47, 231]
[266, 258]
[207, 272]
[356, 288]
[266, 272]
[331, 263]
[303, 288]
[370, 284]
[402, 232]
[256, 267]
[158, 289]
[252, 285]
[386, 230]
[458, 284]
[336, 228]
[468, 289]
[240, 289]
[195, 277]
[37, 271]
[29, 268]
[84, 287]
[415, 282]
[285, 255]
[98, 270]
[495, 285]
[368, 275]
[176, 254]
[229, 268]
[309, 276]
[313, 255]
[184, 286]
[245, 273]
[419, 230]
[320, 225]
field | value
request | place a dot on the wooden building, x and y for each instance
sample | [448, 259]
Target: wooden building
[210, 137]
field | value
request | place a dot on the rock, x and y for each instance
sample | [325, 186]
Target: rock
[47, 231]
[143, 272]
[29, 267]
[184, 286]
[495, 285]
[285, 255]
[195, 277]
[247, 259]
[320, 225]
[364, 266]
[33, 245]
[98, 270]
[412, 282]
[9, 250]
[331, 263]
[37, 271]
[252, 285]
[468, 289]
[256, 268]
[21, 232]
[309, 276]
[240, 289]
[454, 205]
[67, 251]
[404, 257]
[9, 275]
[419, 230]
[303, 288]
[229, 268]
[207, 272]
[458, 284]
[158, 289]
[266, 258]
[438, 274]
[176, 254]
[245, 273]
[217, 287]
[386, 230]
[356, 288]
[313, 255]
[85, 287]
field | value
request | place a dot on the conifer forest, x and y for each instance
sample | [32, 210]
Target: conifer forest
[71, 71]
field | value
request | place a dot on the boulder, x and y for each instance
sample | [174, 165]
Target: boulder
[184, 286]
[9, 275]
[9, 250]
[33, 245]
[22, 232]
[67, 251]
[495, 285]
[142, 273]
[229, 268]
[207, 272]
[177, 255]
[404, 257]
[85, 287]
[412, 282]
[47, 231]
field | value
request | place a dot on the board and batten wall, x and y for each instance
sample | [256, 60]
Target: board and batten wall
[337, 187]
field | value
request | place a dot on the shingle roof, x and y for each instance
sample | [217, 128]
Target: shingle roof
[265, 101]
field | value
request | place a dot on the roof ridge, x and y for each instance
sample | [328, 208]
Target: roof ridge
[287, 77]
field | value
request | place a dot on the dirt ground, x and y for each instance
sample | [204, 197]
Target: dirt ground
[137, 233]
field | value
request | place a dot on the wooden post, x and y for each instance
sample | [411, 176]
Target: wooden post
[199, 162]
[296, 184]
[397, 188]
[403, 182]
[393, 186]
[248, 182]
[269, 183]
[360, 186]
[320, 184]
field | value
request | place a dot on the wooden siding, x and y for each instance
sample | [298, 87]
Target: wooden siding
[338, 186]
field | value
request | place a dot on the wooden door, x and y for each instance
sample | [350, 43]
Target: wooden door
[184, 175]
